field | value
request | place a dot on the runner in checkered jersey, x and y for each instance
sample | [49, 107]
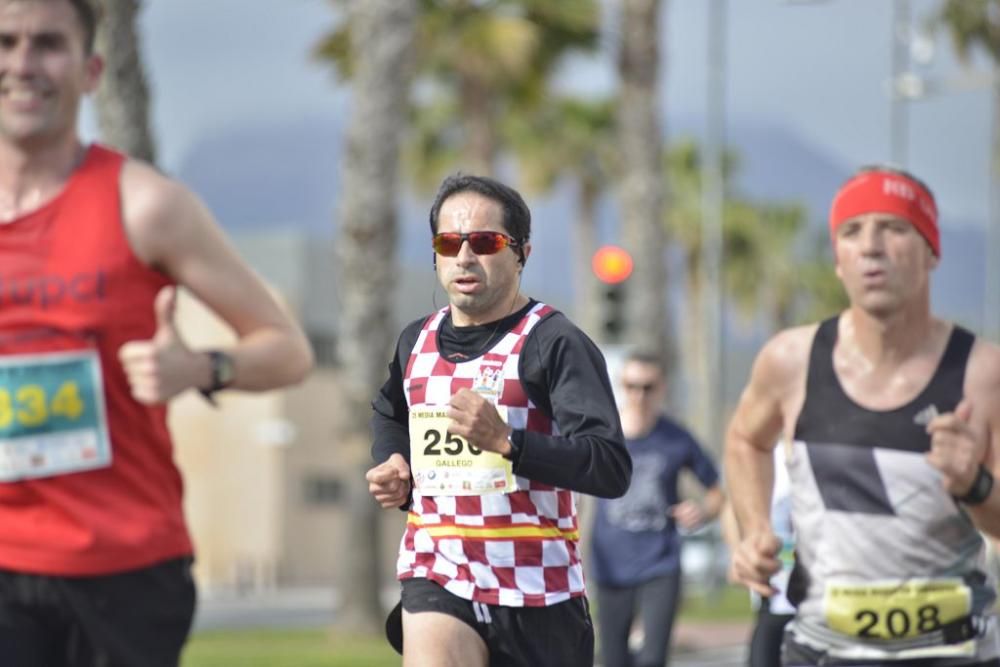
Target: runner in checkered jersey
[496, 410]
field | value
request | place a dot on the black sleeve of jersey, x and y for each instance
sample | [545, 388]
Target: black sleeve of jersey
[565, 375]
[390, 420]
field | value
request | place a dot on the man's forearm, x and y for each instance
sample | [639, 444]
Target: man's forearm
[713, 502]
[587, 464]
[388, 437]
[270, 358]
[750, 480]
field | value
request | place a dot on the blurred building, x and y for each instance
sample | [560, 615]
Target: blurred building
[265, 486]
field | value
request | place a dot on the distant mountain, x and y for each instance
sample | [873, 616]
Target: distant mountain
[286, 177]
[258, 178]
[777, 164]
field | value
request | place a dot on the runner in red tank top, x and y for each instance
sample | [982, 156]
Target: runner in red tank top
[94, 552]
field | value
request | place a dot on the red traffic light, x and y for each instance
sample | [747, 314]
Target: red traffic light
[612, 264]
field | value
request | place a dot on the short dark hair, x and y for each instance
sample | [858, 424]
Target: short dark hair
[516, 215]
[647, 357]
[88, 14]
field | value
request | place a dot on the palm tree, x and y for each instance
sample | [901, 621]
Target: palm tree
[476, 62]
[820, 294]
[122, 99]
[381, 45]
[972, 24]
[768, 267]
[975, 24]
[571, 138]
[641, 185]
[470, 61]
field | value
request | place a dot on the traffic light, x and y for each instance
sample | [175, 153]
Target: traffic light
[612, 312]
[612, 266]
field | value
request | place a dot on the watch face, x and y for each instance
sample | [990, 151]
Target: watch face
[222, 369]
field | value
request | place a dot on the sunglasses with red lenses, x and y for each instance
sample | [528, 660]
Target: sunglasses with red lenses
[449, 244]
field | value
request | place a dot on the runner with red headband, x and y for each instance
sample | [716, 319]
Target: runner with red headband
[879, 190]
[893, 420]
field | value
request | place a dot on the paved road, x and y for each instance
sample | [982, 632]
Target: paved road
[731, 656]
[698, 646]
[284, 608]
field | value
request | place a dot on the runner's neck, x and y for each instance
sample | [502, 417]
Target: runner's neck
[30, 179]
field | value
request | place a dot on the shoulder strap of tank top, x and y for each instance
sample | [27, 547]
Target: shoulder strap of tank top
[821, 374]
[959, 347]
[947, 386]
[823, 391]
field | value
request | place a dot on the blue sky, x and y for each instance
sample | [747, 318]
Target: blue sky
[816, 69]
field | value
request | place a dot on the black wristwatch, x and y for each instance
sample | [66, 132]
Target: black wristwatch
[223, 373]
[981, 488]
[514, 455]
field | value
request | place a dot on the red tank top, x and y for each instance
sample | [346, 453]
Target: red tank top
[88, 485]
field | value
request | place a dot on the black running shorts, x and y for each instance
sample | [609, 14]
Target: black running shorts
[560, 635]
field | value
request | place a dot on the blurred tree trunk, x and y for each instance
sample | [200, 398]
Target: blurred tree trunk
[573, 139]
[479, 65]
[480, 148]
[642, 183]
[588, 287]
[122, 98]
[366, 258]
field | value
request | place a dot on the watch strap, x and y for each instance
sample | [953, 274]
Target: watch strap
[981, 488]
[516, 441]
[221, 374]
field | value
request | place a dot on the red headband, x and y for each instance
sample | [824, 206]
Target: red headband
[892, 193]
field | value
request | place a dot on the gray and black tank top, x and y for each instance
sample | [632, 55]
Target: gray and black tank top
[889, 566]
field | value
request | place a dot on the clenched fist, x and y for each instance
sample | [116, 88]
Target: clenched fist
[389, 482]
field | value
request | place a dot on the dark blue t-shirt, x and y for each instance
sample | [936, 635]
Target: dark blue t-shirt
[634, 537]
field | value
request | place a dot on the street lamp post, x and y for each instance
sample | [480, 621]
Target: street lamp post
[713, 195]
[899, 119]
[991, 297]
[908, 87]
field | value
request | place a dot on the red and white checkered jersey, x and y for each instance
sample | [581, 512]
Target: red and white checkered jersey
[513, 549]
